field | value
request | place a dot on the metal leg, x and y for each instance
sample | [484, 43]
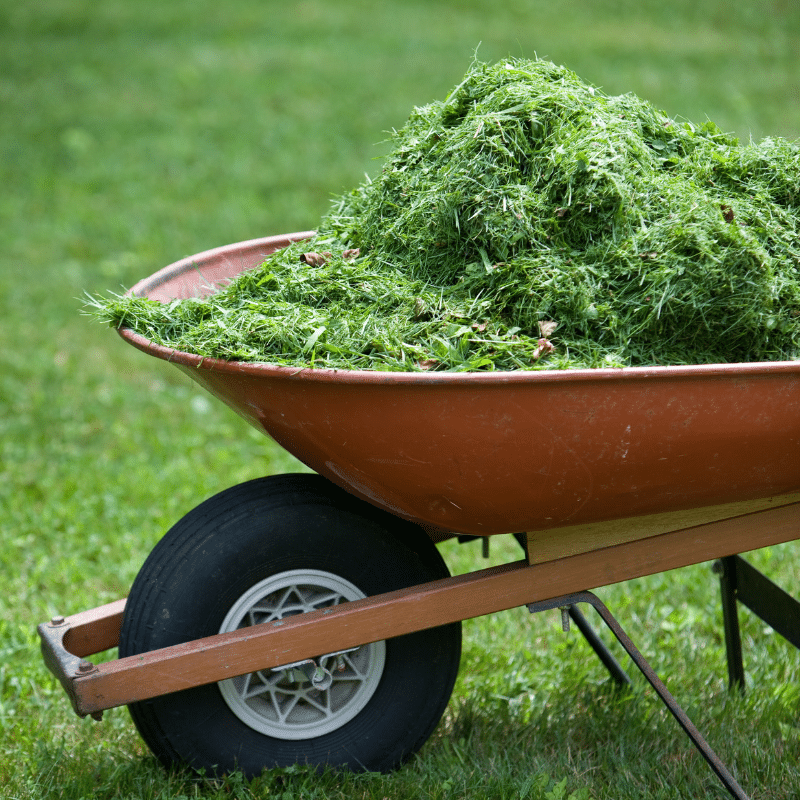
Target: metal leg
[727, 780]
[769, 602]
[604, 654]
[726, 569]
[742, 583]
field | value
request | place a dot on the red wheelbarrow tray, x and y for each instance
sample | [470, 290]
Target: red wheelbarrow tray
[486, 453]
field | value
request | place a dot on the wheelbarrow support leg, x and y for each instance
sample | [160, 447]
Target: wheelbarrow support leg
[726, 569]
[618, 674]
[742, 583]
[720, 770]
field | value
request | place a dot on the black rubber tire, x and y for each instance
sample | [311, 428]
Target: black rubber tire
[242, 536]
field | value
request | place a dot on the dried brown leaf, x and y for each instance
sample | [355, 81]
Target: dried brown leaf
[547, 326]
[544, 348]
[316, 259]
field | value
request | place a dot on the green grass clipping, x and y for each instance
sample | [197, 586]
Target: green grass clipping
[528, 221]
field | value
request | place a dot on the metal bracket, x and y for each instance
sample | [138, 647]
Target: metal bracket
[319, 677]
[720, 770]
[64, 665]
[739, 581]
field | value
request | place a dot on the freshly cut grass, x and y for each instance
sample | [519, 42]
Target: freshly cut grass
[528, 221]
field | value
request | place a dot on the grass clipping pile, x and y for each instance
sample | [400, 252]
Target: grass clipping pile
[529, 221]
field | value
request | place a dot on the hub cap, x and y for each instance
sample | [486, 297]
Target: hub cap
[285, 703]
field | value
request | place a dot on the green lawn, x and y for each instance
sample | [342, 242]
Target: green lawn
[134, 133]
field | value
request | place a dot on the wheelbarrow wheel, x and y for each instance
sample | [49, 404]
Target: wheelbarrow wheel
[266, 550]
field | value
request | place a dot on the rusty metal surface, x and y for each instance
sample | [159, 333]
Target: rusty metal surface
[499, 452]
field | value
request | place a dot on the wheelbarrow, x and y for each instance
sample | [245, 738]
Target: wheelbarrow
[310, 617]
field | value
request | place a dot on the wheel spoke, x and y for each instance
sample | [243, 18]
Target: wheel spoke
[255, 691]
[357, 672]
[285, 707]
[327, 600]
[246, 680]
[288, 602]
[325, 706]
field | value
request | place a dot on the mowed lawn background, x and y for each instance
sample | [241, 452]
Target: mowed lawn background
[135, 133]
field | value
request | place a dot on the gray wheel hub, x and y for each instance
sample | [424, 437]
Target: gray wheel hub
[290, 703]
